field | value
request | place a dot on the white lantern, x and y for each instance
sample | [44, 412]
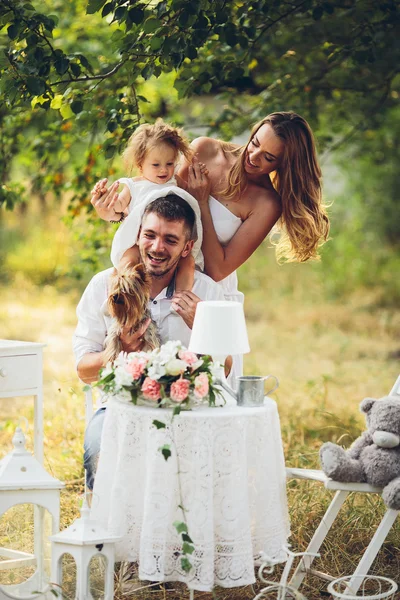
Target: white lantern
[84, 539]
[23, 480]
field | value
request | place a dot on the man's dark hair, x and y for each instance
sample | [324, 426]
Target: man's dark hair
[174, 208]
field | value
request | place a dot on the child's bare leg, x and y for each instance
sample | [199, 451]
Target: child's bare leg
[185, 274]
[130, 257]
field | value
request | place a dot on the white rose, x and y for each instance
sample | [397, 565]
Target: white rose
[156, 370]
[121, 359]
[215, 370]
[175, 366]
[122, 377]
[197, 364]
[169, 351]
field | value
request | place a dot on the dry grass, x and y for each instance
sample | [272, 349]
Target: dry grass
[327, 355]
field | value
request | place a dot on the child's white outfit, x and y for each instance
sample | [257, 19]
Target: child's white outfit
[225, 223]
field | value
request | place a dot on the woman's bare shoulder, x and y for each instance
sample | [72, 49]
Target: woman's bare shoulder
[261, 197]
[207, 147]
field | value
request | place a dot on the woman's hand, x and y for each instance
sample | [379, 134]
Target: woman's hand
[104, 200]
[198, 183]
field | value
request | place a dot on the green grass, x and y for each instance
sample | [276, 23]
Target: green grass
[327, 353]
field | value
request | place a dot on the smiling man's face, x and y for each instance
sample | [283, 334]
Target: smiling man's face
[162, 243]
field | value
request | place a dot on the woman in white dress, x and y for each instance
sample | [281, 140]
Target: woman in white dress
[274, 179]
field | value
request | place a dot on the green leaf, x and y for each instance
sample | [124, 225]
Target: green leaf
[77, 106]
[56, 102]
[86, 388]
[35, 86]
[120, 13]
[84, 62]
[107, 9]
[186, 564]
[159, 424]
[165, 451]
[112, 126]
[76, 69]
[161, 9]
[13, 31]
[191, 52]
[142, 98]
[136, 15]
[186, 538]
[151, 25]
[156, 43]
[147, 71]
[66, 111]
[177, 410]
[180, 526]
[93, 6]
[187, 548]
[52, 21]
[317, 13]
[61, 65]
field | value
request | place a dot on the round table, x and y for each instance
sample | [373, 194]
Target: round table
[232, 483]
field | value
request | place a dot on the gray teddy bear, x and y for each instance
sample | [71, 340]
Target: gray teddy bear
[374, 457]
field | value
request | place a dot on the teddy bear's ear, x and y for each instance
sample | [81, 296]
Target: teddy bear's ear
[367, 404]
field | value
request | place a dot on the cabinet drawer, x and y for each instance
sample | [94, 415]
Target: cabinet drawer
[18, 373]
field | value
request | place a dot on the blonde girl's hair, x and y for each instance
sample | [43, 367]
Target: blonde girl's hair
[146, 137]
[304, 223]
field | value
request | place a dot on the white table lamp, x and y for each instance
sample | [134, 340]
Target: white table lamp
[219, 329]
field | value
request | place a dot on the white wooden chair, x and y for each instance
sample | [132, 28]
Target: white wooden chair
[342, 491]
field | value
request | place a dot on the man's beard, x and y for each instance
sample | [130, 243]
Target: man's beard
[159, 274]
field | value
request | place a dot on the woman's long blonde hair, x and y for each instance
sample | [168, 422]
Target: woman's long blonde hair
[304, 223]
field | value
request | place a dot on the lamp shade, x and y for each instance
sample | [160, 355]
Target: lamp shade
[219, 329]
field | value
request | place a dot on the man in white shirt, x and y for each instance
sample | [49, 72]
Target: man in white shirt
[166, 235]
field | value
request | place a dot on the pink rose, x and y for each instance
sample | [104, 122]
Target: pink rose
[201, 385]
[136, 366]
[180, 390]
[151, 389]
[189, 357]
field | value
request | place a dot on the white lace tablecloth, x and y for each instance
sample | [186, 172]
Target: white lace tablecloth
[232, 481]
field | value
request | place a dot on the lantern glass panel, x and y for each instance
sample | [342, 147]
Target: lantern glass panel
[68, 570]
[17, 544]
[97, 570]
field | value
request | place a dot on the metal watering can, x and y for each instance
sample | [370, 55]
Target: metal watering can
[250, 389]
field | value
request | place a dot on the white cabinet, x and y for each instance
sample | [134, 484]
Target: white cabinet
[21, 374]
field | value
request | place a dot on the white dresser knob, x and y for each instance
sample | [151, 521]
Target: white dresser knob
[3, 372]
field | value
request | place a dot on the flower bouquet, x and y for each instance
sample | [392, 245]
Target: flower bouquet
[167, 376]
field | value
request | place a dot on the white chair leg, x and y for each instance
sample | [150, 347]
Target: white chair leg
[191, 594]
[318, 538]
[372, 550]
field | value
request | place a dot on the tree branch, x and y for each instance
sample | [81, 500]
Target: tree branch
[358, 126]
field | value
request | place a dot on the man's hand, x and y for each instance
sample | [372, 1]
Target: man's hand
[198, 183]
[185, 304]
[133, 342]
[104, 200]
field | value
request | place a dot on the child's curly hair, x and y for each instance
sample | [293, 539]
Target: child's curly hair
[147, 136]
